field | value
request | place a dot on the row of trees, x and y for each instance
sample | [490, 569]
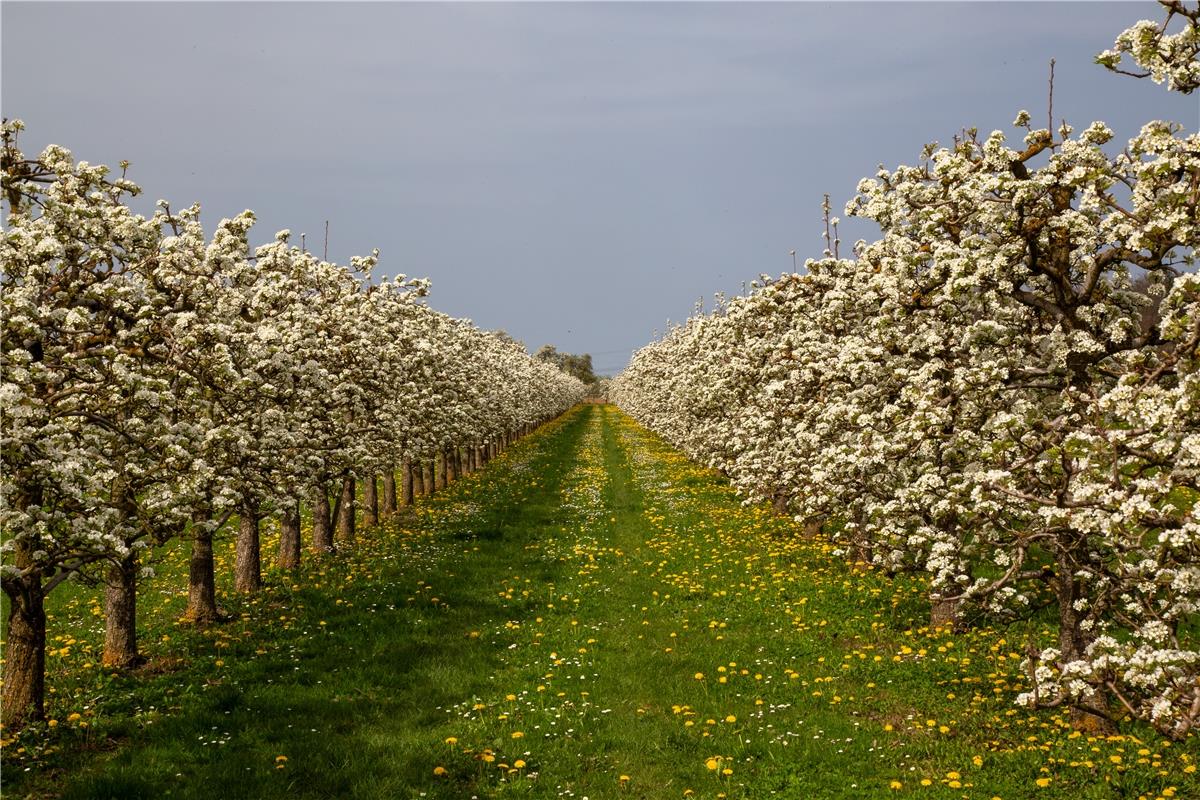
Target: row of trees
[159, 383]
[1001, 392]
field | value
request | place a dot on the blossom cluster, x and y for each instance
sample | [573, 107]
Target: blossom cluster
[1000, 392]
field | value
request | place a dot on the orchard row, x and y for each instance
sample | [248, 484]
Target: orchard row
[1001, 392]
[160, 383]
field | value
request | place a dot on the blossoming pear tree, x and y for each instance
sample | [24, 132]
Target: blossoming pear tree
[999, 391]
[158, 383]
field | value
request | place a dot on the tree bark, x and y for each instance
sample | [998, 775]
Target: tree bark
[345, 515]
[944, 612]
[25, 650]
[289, 536]
[1090, 714]
[417, 472]
[202, 581]
[120, 614]
[389, 492]
[247, 569]
[442, 469]
[370, 502]
[406, 474]
[322, 521]
[429, 484]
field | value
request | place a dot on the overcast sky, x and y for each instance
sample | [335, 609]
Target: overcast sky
[576, 174]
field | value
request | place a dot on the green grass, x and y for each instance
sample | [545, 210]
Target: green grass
[590, 616]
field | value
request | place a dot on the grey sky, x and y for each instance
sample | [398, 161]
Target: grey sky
[575, 174]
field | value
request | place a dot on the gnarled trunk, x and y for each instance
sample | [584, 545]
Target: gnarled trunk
[25, 649]
[322, 521]
[1090, 713]
[120, 613]
[247, 568]
[370, 502]
[289, 535]
[345, 510]
[202, 581]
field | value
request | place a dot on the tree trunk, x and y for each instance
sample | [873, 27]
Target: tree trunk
[406, 476]
[345, 515]
[442, 468]
[289, 536]
[417, 472]
[120, 614]
[429, 484]
[24, 650]
[944, 611]
[1090, 714]
[202, 581]
[322, 521]
[247, 568]
[389, 491]
[370, 502]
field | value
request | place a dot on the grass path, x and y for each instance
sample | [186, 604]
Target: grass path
[592, 616]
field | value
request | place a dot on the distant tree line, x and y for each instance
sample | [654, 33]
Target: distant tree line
[578, 366]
